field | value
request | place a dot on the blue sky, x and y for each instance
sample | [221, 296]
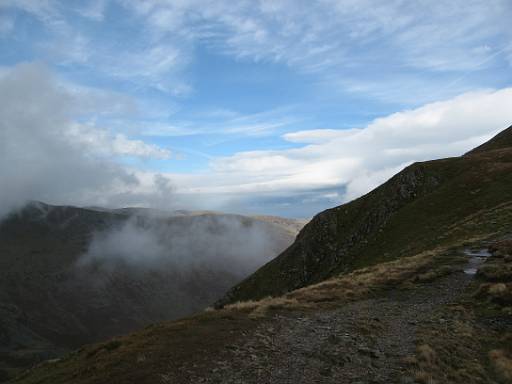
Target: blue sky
[277, 107]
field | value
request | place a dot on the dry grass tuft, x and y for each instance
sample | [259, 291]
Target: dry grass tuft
[497, 289]
[501, 248]
[449, 348]
[260, 308]
[426, 355]
[402, 273]
[454, 356]
[497, 272]
[499, 267]
[358, 284]
[436, 273]
[423, 377]
[502, 364]
[499, 293]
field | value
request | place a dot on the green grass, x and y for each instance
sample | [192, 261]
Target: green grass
[169, 349]
[407, 231]
[471, 341]
[145, 356]
[426, 205]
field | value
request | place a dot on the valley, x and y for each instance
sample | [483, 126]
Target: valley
[71, 276]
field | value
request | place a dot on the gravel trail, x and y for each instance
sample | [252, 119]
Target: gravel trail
[360, 342]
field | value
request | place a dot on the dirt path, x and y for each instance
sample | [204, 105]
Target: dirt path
[361, 342]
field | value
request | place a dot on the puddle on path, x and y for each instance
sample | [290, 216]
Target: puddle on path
[476, 258]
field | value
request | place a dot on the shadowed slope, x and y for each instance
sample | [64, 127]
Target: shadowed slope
[70, 276]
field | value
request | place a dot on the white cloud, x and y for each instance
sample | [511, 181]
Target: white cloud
[93, 10]
[102, 143]
[153, 65]
[360, 44]
[362, 158]
[317, 136]
[397, 51]
[225, 122]
[70, 47]
[138, 59]
[44, 10]
[316, 35]
[45, 155]
[100, 102]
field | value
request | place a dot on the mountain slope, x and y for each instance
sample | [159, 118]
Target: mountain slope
[425, 317]
[70, 276]
[415, 320]
[417, 208]
[501, 141]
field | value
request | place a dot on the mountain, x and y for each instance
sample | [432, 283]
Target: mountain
[70, 276]
[411, 283]
[422, 206]
[502, 140]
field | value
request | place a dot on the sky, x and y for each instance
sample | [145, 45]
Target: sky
[282, 107]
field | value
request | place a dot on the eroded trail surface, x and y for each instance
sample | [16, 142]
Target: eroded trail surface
[361, 342]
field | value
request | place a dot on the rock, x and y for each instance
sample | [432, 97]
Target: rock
[369, 352]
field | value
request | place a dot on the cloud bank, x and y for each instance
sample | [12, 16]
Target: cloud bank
[340, 165]
[46, 154]
[49, 153]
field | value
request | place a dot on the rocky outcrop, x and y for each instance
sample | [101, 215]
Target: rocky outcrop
[326, 244]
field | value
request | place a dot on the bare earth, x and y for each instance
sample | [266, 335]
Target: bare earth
[361, 342]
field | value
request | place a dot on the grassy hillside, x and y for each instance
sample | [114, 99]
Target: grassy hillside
[375, 290]
[418, 208]
[51, 301]
[356, 326]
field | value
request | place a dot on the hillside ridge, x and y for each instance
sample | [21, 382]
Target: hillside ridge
[502, 140]
[377, 226]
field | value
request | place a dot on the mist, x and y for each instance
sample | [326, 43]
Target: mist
[221, 243]
[86, 274]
